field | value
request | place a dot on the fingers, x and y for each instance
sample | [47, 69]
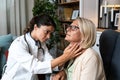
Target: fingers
[79, 52]
[59, 76]
[55, 77]
[76, 50]
[69, 46]
[74, 47]
[62, 78]
[73, 50]
[63, 75]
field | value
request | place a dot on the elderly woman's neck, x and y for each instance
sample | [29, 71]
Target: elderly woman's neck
[74, 42]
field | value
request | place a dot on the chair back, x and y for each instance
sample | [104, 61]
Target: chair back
[110, 53]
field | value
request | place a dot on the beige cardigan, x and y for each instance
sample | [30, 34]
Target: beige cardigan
[88, 66]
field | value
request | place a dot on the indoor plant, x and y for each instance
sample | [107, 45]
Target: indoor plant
[47, 7]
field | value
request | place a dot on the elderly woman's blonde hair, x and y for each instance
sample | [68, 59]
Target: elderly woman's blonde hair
[88, 32]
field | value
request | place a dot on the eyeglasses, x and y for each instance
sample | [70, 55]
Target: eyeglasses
[73, 28]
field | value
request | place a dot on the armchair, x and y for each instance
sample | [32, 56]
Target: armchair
[5, 42]
[110, 53]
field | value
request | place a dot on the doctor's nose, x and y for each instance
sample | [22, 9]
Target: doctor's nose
[48, 36]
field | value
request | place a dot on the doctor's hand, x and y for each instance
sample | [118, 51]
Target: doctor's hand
[59, 76]
[72, 51]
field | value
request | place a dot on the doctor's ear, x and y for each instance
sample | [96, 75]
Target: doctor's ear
[35, 26]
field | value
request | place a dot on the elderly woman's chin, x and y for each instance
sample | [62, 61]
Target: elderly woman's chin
[68, 39]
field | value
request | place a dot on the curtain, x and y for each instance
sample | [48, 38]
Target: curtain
[3, 22]
[15, 15]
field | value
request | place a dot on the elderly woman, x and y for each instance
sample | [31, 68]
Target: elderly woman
[87, 66]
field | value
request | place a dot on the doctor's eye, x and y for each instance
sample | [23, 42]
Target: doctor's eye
[47, 32]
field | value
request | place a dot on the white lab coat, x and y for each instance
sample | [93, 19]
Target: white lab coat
[22, 65]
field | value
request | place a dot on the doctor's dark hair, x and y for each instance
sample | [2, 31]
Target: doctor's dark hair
[39, 20]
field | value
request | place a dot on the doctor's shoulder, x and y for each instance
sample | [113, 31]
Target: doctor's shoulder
[19, 41]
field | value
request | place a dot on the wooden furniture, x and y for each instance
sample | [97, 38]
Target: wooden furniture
[65, 12]
[66, 8]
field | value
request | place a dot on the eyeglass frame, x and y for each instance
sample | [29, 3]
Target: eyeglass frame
[71, 28]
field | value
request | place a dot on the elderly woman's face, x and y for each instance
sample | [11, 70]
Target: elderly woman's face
[73, 32]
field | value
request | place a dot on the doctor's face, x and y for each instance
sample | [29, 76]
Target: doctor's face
[73, 32]
[43, 33]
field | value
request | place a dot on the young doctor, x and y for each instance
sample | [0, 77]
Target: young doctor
[28, 54]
